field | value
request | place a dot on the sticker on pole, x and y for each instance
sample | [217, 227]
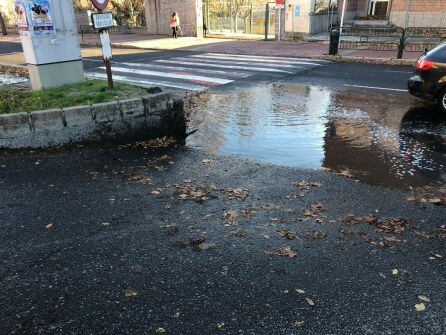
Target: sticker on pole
[100, 4]
[106, 46]
[102, 20]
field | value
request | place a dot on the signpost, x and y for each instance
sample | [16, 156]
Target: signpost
[280, 4]
[102, 21]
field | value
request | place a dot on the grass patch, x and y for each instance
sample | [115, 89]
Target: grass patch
[16, 100]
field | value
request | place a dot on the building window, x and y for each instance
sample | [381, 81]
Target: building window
[323, 6]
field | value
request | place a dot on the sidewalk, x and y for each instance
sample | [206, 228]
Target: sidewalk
[252, 47]
[232, 46]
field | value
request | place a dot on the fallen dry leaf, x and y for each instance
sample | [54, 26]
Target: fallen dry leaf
[310, 301]
[286, 252]
[436, 255]
[423, 298]
[160, 330]
[435, 201]
[420, 307]
[49, 226]
[288, 234]
[231, 215]
[206, 246]
[129, 293]
[298, 290]
[298, 324]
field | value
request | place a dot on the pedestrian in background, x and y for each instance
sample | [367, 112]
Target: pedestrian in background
[174, 24]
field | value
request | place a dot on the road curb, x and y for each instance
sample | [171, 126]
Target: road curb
[367, 60]
[160, 114]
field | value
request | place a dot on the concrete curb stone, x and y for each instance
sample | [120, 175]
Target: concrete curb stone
[368, 60]
[139, 118]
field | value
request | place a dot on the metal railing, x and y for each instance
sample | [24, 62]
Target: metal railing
[404, 38]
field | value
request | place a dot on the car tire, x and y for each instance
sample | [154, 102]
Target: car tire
[441, 100]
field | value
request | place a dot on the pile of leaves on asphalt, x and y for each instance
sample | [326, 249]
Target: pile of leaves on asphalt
[156, 143]
[15, 70]
[434, 194]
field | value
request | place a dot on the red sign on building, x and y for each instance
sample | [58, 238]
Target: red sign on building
[280, 4]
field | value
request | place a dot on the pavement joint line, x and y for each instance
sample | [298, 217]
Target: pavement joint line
[377, 88]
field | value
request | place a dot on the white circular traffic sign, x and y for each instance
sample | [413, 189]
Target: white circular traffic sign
[100, 4]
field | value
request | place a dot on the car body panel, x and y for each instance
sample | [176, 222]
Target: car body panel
[430, 83]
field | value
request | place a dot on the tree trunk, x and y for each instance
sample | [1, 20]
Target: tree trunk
[2, 24]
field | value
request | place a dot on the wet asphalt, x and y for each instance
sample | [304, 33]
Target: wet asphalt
[125, 241]
[134, 240]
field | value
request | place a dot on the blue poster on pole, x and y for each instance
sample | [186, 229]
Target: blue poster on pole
[297, 11]
[41, 17]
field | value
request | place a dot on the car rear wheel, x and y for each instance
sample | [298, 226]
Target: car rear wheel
[441, 100]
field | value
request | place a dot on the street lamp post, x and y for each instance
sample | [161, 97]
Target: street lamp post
[409, 10]
[344, 3]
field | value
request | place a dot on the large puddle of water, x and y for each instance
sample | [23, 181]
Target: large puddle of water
[381, 138]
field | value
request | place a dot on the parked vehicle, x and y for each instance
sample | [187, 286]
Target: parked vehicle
[429, 79]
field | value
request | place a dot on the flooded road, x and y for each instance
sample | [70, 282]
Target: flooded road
[384, 138]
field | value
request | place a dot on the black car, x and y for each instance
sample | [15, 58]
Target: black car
[429, 79]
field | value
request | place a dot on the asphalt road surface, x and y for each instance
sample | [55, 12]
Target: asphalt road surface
[137, 239]
[126, 240]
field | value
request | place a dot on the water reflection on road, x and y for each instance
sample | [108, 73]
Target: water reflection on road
[382, 138]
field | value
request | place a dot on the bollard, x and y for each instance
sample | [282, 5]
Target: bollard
[334, 42]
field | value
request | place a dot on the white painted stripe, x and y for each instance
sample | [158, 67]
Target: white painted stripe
[272, 57]
[377, 88]
[399, 71]
[276, 62]
[185, 86]
[203, 61]
[223, 66]
[171, 75]
[187, 69]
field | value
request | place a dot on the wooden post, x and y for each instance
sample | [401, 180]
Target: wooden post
[107, 62]
[111, 86]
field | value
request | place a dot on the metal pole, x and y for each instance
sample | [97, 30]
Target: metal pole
[342, 15]
[266, 21]
[250, 20]
[409, 10]
[329, 16]
[278, 37]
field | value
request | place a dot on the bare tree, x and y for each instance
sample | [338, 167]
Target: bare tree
[3, 25]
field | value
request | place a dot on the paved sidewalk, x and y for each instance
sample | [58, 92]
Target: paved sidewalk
[252, 47]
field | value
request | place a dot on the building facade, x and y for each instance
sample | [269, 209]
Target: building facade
[190, 12]
[307, 17]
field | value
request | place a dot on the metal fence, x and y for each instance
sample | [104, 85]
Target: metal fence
[411, 39]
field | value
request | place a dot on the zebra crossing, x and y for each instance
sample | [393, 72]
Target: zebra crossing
[203, 71]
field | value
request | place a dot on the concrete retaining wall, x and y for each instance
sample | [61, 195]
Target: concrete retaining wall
[116, 121]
